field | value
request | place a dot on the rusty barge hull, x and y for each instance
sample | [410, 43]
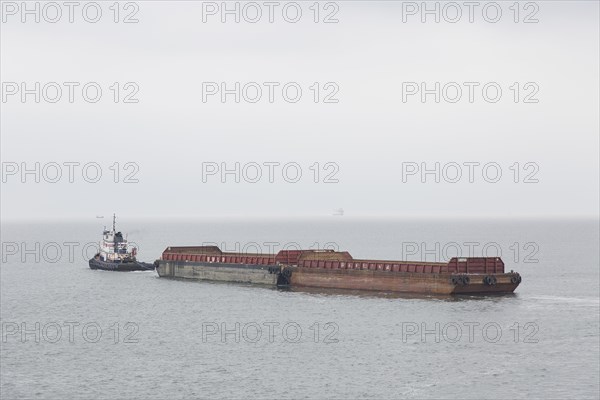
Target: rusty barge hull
[406, 282]
[338, 270]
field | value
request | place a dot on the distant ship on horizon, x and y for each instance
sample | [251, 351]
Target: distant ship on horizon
[339, 212]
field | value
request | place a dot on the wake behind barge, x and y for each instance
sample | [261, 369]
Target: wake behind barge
[339, 270]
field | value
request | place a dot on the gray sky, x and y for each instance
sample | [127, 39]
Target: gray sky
[370, 58]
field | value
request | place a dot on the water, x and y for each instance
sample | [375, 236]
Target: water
[365, 348]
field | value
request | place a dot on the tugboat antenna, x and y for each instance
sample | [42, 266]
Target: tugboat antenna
[114, 219]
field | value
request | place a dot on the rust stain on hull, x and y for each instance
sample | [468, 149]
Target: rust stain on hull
[398, 282]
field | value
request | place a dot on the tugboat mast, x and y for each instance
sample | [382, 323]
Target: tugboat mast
[114, 219]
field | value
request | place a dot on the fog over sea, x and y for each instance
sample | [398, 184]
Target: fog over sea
[134, 335]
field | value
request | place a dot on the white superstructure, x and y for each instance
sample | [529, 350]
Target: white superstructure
[113, 247]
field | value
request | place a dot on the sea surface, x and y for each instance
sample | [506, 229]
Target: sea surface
[70, 332]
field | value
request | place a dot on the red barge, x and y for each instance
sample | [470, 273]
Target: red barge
[339, 270]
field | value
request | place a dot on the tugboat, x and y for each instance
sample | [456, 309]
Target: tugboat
[114, 254]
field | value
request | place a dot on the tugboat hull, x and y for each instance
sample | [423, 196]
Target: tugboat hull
[120, 266]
